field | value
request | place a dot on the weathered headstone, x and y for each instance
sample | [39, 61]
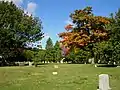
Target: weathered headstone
[104, 82]
[61, 61]
[93, 62]
[89, 60]
[30, 63]
[45, 61]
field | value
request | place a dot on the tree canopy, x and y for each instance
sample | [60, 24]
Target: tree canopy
[86, 29]
[49, 44]
[16, 28]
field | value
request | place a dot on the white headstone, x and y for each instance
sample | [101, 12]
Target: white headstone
[92, 62]
[104, 82]
[95, 65]
[30, 63]
[61, 61]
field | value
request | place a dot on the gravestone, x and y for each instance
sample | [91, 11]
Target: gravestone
[54, 73]
[30, 63]
[91, 60]
[104, 82]
[61, 61]
[45, 61]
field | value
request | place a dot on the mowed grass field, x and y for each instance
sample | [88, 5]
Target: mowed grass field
[70, 77]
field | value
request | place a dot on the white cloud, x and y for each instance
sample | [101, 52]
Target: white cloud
[31, 8]
[17, 2]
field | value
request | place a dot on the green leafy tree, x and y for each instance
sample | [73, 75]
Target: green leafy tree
[49, 55]
[41, 55]
[49, 44]
[81, 56]
[114, 42]
[16, 28]
[108, 51]
[57, 53]
[28, 54]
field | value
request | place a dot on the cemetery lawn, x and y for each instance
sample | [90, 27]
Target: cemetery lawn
[70, 77]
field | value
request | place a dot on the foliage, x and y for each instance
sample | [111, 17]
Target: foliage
[86, 29]
[49, 54]
[108, 51]
[16, 28]
[41, 54]
[57, 49]
[28, 54]
[79, 56]
[52, 53]
[49, 44]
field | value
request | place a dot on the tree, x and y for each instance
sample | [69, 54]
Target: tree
[108, 51]
[16, 28]
[41, 55]
[112, 48]
[49, 44]
[28, 54]
[49, 55]
[57, 49]
[86, 30]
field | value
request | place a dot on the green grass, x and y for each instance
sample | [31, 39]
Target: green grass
[70, 77]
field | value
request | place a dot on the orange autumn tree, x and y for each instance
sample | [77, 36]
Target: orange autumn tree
[86, 29]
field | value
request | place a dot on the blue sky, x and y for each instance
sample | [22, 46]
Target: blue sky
[55, 13]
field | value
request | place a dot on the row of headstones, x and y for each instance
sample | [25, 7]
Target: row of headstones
[30, 63]
[56, 62]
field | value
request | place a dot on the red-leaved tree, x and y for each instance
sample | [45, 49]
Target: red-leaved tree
[86, 29]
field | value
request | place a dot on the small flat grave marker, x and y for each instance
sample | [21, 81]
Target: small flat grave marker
[54, 73]
[55, 66]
